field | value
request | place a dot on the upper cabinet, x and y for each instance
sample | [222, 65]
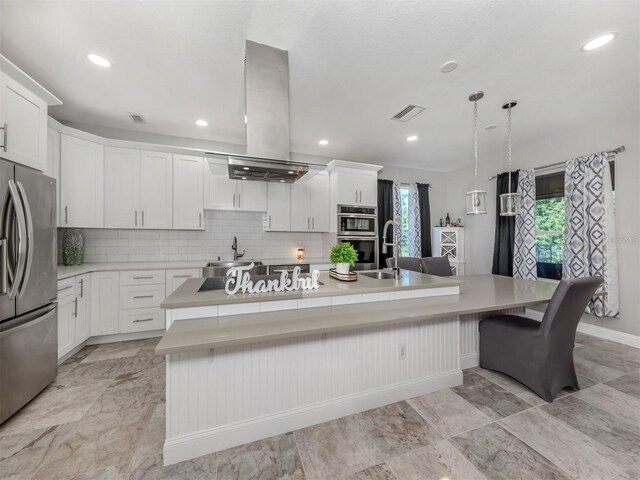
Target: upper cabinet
[223, 193]
[23, 125]
[188, 196]
[81, 183]
[310, 203]
[278, 217]
[138, 189]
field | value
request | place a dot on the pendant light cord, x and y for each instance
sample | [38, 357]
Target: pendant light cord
[509, 143]
[475, 142]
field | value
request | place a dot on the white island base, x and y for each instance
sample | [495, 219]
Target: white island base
[228, 395]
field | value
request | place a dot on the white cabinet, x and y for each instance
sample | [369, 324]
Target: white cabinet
[23, 125]
[121, 187]
[449, 242]
[188, 197]
[310, 203]
[105, 302]
[137, 189]
[53, 165]
[156, 190]
[223, 193]
[83, 310]
[81, 183]
[356, 187]
[140, 295]
[278, 217]
[175, 278]
[66, 325]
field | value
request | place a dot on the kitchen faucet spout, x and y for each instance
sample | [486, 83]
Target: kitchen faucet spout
[393, 244]
[234, 247]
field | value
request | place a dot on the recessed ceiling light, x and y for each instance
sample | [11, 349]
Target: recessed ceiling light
[412, 138]
[599, 41]
[98, 60]
[492, 126]
[449, 66]
[323, 142]
[245, 168]
[281, 181]
[202, 123]
[243, 178]
[290, 173]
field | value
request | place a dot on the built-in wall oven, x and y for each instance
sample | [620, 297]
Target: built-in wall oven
[358, 225]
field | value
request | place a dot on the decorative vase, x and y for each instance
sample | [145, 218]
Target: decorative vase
[72, 247]
[342, 268]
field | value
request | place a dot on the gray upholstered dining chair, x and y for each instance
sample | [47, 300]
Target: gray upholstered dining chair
[539, 354]
[406, 263]
[438, 266]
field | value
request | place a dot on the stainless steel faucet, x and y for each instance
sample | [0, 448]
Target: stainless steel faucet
[394, 245]
[234, 247]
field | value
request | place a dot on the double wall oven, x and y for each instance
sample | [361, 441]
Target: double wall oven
[358, 225]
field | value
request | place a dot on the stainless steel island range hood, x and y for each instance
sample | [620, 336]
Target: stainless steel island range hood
[266, 76]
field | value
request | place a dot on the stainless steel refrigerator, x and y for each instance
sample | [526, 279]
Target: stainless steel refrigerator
[28, 311]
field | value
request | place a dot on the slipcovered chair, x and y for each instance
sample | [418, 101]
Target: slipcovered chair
[438, 266]
[406, 263]
[539, 354]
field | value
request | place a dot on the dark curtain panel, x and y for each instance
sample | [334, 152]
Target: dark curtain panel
[425, 219]
[385, 213]
[505, 229]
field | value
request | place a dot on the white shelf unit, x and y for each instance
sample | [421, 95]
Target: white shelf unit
[449, 242]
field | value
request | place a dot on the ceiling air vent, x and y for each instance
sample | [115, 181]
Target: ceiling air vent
[137, 118]
[408, 112]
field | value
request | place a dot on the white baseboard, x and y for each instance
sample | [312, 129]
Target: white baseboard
[123, 337]
[597, 331]
[186, 447]
[469, 360]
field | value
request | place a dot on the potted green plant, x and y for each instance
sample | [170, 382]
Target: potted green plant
[344, 256]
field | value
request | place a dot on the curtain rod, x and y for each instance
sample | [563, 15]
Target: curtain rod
[620, 149]
[409, 184]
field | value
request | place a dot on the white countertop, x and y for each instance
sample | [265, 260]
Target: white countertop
[66, 272]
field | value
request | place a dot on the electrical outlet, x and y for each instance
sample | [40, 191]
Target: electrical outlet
[402, 352]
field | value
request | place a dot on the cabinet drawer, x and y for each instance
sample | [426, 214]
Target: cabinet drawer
[141, 320]
[142, 277]
[175, 278]
[66, 287]
[141, 296]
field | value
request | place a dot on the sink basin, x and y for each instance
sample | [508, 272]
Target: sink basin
[378, 275]
[220, 269]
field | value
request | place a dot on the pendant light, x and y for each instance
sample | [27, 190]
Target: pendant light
[476, 199]
[510, 203]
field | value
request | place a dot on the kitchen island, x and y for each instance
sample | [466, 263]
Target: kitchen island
[245, 367]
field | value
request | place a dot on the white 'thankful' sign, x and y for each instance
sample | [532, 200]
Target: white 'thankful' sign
[241, 281]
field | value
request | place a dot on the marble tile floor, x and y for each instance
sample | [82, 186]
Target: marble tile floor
[103, 418]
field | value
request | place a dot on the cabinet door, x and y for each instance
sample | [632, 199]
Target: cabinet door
[251, 196]
[175, 278]
[348, 191]
[23, 119]
[121, 188]
[319, 204]
[156, 190]
[300, 218]
[83, 314]
[53, 165]
[188, 201]
[368, 188]
[104, 303]
[81, 183]
[66, 325]
[219, 189]
[278, 207]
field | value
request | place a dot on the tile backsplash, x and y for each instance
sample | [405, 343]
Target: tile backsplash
[109, 245]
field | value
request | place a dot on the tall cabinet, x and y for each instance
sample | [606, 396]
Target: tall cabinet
[449, 242]
[188, 196]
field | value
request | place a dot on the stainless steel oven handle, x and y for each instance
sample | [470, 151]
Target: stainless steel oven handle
[30, 237]
[22, 239]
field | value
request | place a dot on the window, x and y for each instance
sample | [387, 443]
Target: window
[403, 193]
[550, 222]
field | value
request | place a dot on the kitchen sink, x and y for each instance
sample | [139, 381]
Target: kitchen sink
[220, 269]
[378, 275]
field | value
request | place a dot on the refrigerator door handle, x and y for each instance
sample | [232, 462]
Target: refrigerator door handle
[22, 239]
[30, 238]
[4, 272]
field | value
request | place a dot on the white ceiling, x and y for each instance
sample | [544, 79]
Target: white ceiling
[353, 64]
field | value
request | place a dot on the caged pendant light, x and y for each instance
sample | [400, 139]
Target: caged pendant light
[510, 203]
[476, 200]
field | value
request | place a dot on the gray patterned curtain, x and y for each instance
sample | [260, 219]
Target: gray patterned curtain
[590, 231]
[525, 264]
[408, 207]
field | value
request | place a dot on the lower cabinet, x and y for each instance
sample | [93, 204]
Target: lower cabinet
[66, 325]
[175, 278]
[73, 313]
[83, 308]
[105, 307]
[141, 320]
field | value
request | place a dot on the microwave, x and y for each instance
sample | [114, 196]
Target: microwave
[357, 221]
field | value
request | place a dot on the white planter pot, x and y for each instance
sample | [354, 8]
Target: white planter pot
[342, 268]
